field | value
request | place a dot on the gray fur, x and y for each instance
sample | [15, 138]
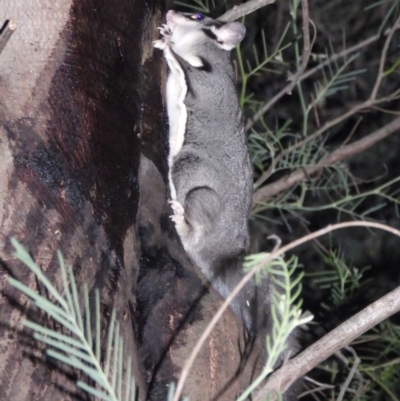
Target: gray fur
[210, 169]
[211, 175]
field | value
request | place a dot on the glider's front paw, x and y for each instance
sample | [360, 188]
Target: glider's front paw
[179, 212]
[179, 219]
[165, 31]
[166, 37]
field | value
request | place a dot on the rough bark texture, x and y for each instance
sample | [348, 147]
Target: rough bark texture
[80, 100]
[175, 304]
[71, 84]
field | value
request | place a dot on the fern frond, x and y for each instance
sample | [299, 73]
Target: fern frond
[334, 80]
[285, 310]
[259, 64]
[75, 346]
[342, 280]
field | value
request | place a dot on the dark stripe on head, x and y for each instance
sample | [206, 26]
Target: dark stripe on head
[211, 22]
[206, 65]
[210, 34]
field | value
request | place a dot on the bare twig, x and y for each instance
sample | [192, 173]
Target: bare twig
[339, 55]
[6, 33]
[317, 68]
[341, 153]
[353, 371]
[383, 59]
[387, 111]
[331, 343]
[353, 130]
[370, 102]
[244, 9]
[307, 47]
[321, 386]
[258, 267]
[345, 52]
[265, 175]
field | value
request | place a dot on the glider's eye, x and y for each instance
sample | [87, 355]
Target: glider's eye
[196, 17]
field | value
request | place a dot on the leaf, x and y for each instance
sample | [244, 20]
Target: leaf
[76, 346]
[93, 391]
[23, 256]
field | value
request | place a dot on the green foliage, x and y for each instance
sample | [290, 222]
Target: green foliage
[390, 14]
[297, 137]
[266, 143]
[279, 149]
[248, 71]
[341, 280]
[371, 371]
[285, 310]
[79, 346]
[380, 353]
[277, 146]
[204, 6]
[298, 141]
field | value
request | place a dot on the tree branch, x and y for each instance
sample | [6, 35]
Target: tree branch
[341, 153]
[317, 68]
[250, 274]
[370, 102]
[244, 9]
[331, 343]
[294, 79]
[381, 73]
[6, 33]
[307, 46]
[344, 53]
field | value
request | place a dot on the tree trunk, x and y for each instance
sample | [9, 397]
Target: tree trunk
[70, 123]
[80, 100]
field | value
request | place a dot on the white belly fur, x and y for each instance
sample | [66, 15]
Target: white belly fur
[177, 113]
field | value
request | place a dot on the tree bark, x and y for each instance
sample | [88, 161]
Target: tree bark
[71, 115]
[80, 101]
[175, 304]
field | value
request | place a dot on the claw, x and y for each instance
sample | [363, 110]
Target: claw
[166, 33]
[160, 44]
[177, 209]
